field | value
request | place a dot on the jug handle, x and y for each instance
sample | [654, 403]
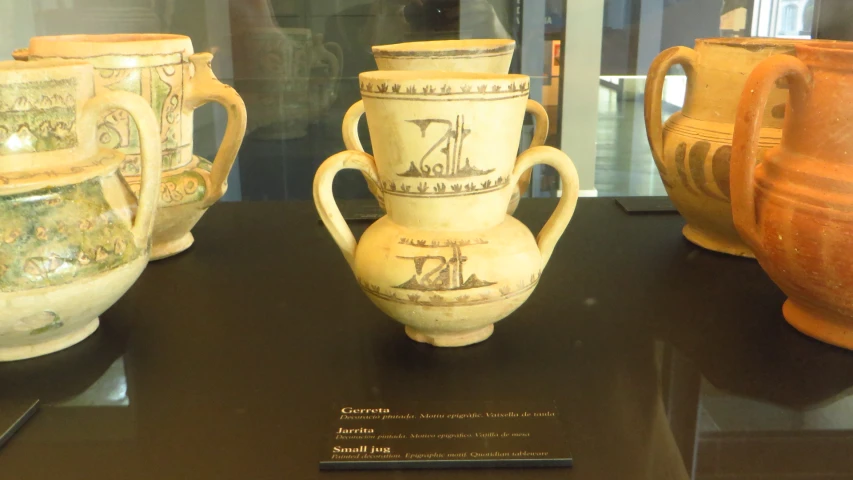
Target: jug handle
[556, 225]
[202, 89]
[324, 198]
[149, 137]
[21, 54]
[540, 135]
[750, 115]
[653, 97]
[349, 129]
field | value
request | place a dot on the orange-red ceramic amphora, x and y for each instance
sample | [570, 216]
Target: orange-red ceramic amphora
[795, 208]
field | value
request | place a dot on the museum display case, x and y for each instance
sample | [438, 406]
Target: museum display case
[439, 239]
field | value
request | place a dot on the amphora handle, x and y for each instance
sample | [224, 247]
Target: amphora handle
[750, 115]
[653, 98]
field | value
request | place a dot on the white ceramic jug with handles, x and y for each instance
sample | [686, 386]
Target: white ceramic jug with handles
[446, 261]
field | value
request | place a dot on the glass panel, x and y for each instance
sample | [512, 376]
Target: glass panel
[634, 33]
[296, 65]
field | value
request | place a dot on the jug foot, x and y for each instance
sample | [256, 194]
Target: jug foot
[451, 339]
[174, 247]
[716, 243]
[825, 325]
[51, 345]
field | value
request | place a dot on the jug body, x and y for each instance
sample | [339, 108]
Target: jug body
[474, 55]
[448, 288]
[163, 69]
[445, 148]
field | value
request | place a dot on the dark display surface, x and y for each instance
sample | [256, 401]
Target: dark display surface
[235, 352]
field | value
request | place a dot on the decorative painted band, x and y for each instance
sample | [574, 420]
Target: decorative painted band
[380, 52]
[424, 189]
[121, 62]
[445, 90]
[724, 137]
[435, 300]
[441, 56]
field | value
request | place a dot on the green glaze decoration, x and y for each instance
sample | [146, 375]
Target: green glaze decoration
[183, 188]
[37, 116]
[55, 236]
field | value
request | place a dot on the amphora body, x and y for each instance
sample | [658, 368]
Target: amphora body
[795, 208]
[692, 150]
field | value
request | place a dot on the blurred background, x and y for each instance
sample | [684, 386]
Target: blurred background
[297, 96]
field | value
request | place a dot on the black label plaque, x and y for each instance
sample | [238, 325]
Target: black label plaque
[453, 435]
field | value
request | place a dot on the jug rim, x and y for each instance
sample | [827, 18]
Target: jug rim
[447, 48]
[749, 43]
[85, 38]
[432, 75]
[836, 54]
[439, 85]
[20, 66]
[88, 46]
[54, 173]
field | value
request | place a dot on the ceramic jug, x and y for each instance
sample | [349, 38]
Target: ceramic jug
[73, 237]
[446, 260]
[795, 208]
[289, 77]
[692, 150]
[164, 70]
[478, 55]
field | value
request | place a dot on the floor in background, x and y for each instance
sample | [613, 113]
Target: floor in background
[624, 164]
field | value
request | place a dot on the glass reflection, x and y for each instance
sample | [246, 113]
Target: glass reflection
[110, 390]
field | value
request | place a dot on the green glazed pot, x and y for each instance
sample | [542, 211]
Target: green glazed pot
[73, 237]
